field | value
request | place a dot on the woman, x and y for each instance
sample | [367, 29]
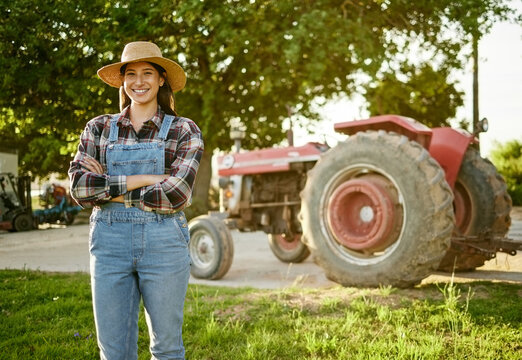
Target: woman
[137, 169]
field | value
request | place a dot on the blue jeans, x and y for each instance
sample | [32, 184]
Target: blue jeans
[135, 254]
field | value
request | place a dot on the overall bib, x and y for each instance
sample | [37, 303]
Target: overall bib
[137, 254]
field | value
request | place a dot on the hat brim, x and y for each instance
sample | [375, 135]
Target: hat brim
[110, 74]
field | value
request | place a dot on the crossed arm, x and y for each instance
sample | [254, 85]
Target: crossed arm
[92, 186]
[133, 181]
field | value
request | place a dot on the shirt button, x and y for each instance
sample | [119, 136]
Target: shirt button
[184, 225]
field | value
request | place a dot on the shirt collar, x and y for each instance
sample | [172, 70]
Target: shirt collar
[124, 118]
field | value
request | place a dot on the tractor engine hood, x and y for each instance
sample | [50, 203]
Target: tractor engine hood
[268, 160]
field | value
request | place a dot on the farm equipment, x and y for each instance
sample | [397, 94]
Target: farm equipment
[58, 206]
[16, 212]
[15, 202]
[391, 204]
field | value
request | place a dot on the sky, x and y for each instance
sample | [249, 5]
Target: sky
[500, 93]
[500, 84]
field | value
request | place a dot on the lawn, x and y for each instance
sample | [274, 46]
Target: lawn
[48, 316]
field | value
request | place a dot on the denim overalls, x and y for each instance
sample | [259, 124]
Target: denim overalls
[133, 253]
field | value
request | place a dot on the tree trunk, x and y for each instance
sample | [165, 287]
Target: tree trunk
[200, 204]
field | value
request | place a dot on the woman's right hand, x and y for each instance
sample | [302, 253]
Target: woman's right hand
[133, 181]
[92, 165]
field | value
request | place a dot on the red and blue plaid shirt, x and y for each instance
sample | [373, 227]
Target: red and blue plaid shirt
[183, 151]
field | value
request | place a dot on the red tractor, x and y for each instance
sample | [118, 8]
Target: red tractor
[391, 204]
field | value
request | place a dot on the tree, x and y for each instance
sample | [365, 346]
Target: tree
[48, 88]
[424, 91]
[508, 161]
[426, 95]
[244, 60]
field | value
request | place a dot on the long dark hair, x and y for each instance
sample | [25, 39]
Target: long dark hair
[165, 94]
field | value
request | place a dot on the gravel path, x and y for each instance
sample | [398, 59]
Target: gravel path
[64, 249]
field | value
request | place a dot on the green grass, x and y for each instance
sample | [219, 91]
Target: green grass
[49, 316]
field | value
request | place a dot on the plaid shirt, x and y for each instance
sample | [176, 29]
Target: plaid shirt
[183, 151]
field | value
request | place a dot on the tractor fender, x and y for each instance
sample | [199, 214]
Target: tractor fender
[445, 144]
[448, 147]
[412, 129]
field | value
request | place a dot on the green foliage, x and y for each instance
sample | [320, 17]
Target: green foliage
[507, 158]
[247, 60]
[424, 91]
[426, 95]
[477, 18]
[48, 86]
[49, 316]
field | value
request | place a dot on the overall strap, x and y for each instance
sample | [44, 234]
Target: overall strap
[113, 133]
[165, 126]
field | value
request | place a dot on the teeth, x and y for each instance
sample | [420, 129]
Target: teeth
[140, 91]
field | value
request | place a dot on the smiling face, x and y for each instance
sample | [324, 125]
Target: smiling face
[141, 82]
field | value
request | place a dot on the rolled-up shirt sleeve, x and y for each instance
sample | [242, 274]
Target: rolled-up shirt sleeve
[88, 188]
[174, 193]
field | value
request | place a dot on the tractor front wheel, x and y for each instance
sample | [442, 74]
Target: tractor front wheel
[211, 247]
[377, 210]
[288, 249]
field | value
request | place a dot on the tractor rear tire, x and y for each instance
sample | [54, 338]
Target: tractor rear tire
[23, 222]
[482, 204]
[293, 251]
[211, 247]
[357, 236]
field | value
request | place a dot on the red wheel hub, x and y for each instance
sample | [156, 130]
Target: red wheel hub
[363, 214]
[463, 208]
[288, 243]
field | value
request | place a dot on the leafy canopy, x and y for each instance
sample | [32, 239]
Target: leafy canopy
[426, 94]
[246, 61]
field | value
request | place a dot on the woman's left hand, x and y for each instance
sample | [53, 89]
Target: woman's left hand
[92, 165]
[118, 199]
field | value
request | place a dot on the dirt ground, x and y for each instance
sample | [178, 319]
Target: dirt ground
[64, 249]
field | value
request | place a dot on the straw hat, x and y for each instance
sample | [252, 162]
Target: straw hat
[143, 51]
